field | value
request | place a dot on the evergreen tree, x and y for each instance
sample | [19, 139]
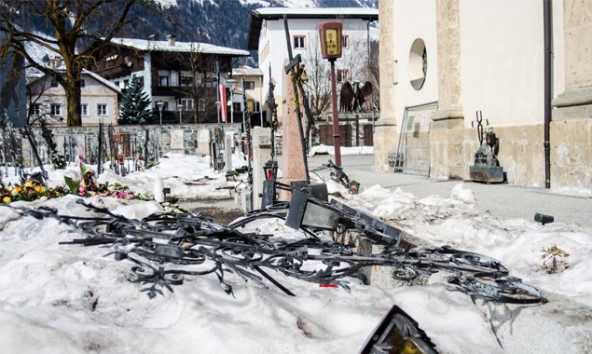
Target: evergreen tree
[136, 106]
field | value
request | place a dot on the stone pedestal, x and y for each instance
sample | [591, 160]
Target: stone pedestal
[386, 138]
[203, 142]
[228, 144]
[244, 197]
[292, 161]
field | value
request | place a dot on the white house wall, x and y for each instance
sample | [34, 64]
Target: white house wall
[147, 74]
[95, 93]
[414, 19]
[501, 56]
[502, 53]
[495, 64]
[272, 40]
[92, 94]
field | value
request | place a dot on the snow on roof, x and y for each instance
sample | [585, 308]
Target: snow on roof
[329, 12]
[102, 80]
[166, 46]
[95, 76]
[247, 71]
[43, 55]
[261, 2]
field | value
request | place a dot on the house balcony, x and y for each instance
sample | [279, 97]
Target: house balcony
[171, 91]
[113, 72]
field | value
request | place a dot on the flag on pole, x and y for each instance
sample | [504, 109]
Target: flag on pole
[222, 91]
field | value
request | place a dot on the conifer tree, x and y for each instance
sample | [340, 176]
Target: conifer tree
[136, 106]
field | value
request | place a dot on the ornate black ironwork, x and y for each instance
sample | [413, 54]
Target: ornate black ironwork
[58, 161]
[14, 147]
[247, 126]
[167, 247]
[28, 132]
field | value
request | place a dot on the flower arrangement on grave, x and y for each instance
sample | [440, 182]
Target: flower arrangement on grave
[29, 191]
[121, 191]
[86, 186]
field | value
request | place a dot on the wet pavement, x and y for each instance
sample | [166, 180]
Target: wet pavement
[504, 201]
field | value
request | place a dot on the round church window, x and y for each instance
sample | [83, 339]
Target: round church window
[418, 63]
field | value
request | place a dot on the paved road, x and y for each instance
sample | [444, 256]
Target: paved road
[503, 201]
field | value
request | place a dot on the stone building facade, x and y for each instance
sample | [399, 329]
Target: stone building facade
[180, 78]
[99, 100]
[467, 56]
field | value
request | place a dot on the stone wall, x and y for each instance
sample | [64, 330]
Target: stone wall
[578, 43]
[83, 141]
[521, 153]
[449, 154]
[386, 135]
[386, 139]
[571, 159]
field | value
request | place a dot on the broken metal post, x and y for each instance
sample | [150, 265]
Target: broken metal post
[100, 153]
[30, 137]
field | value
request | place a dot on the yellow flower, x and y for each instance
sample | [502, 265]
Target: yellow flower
[38, 189]
[28, 184]
[6, 200]
[16, 190]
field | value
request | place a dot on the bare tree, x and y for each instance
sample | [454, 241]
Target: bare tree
[196, 89]
[39, 114]
[354, 59]
[318, 83]
[81, 28]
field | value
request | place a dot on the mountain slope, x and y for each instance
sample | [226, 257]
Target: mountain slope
[226, 22]
[220, 22]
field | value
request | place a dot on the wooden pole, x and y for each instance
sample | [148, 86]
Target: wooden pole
[336, 136]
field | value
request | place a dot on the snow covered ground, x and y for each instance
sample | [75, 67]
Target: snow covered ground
[71, 299]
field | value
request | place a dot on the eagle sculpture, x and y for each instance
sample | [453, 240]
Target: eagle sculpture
[363, 100]
[355, 97]
[346, 98]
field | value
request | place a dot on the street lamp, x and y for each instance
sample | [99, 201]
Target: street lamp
[180, 109]
[268, 194]
[311, 212]
[330, 35]
[231, 84]
[270, 169]
[160, 105]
